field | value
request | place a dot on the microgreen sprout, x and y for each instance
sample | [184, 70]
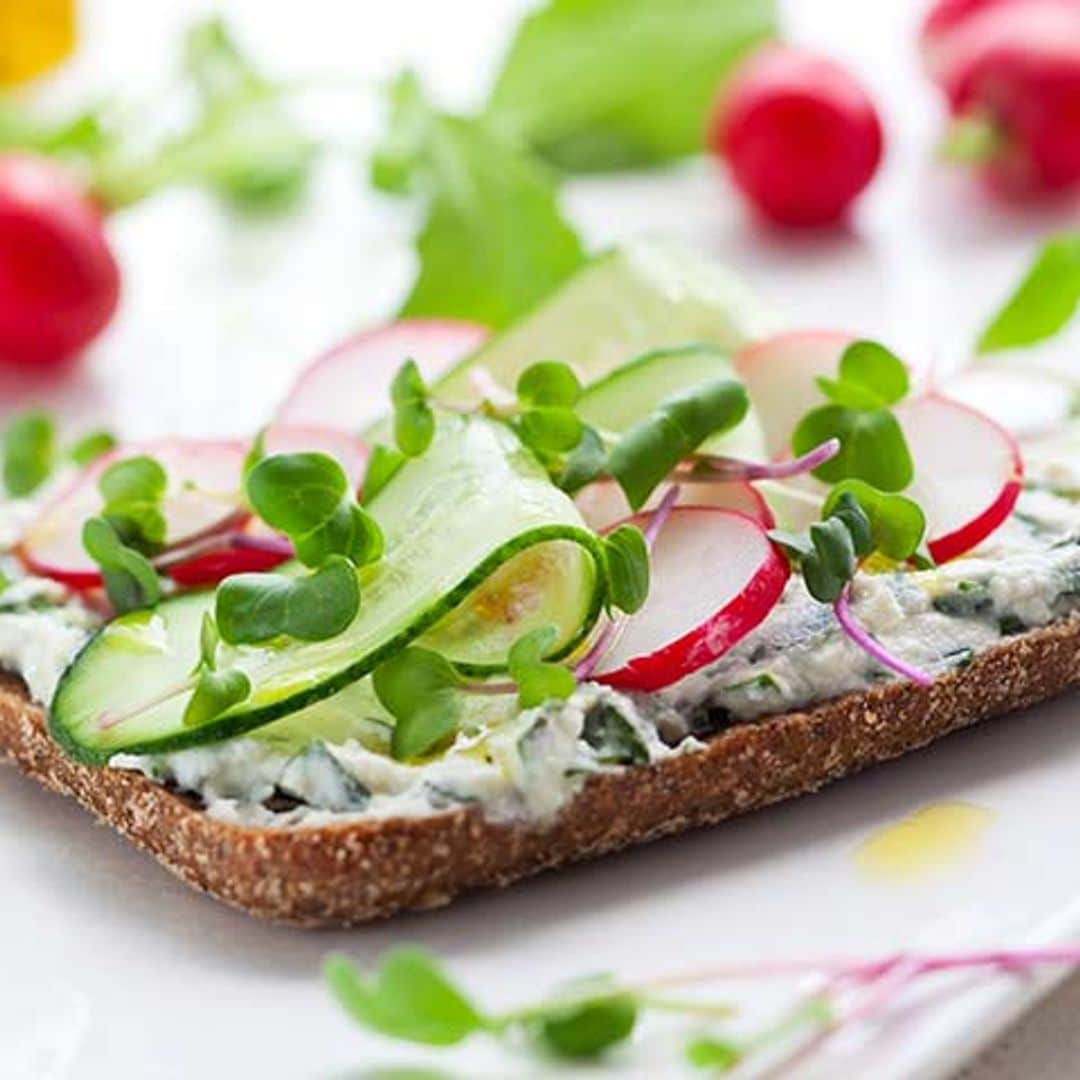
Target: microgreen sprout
[411, 997]
[130, 581]
[29, 446]
[215, 691]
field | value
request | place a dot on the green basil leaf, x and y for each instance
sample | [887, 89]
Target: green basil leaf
[382, 467]
[296, 493]
[537, 680]
[418, 688]
[29, 452]
[414, 422]
[1043, 303]
[131, 583]
[586, 462]
[616, 84]
[626, 567]
[409, 997]
[872, 446]
[91, 446]
[548, 383]
[215, 693]
[585, 1026]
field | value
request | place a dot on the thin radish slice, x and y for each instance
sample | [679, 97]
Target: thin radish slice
[249, 550]
[967, 472]
[603, 504]
[203, 498]
[715, 576]
[348, 387]
[350, 452]
[779, 374]
[1025, 402]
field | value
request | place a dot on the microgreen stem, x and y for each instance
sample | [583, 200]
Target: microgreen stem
[491, 689]
[725, 469]
[110, 719]
[870, 645]
[711, 1010]
[609, 636]
[235, 541]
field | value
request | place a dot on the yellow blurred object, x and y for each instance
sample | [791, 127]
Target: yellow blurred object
[35, 35]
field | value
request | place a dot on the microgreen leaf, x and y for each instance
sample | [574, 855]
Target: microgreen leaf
[133, 489]
[414, 422]
[91, 446]
[719, 1055]
[871, 377]
[131, 583]
[351, 532]
[418, 688]
[651, 448]
[872, 445]
[209, 639]
[626, 568]
[215, 693]
[382, 467]
[409, 997]
[592, 1017]
[538, 680]
[897, 523]
[1043, 303]
[254, 608]
[256, 452]
[29, 451]
[296, 493]
[549, 429]
[548, 383]
[585, 463]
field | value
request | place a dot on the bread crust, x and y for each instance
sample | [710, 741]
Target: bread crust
[350, 873]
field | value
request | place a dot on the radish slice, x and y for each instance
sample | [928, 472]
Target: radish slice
[347, 450]
[1024, 402]
[967, 472]
[349, 387]
[715, 576]
[253, 549]
[779, 374]
[203, 497]
[603, 504]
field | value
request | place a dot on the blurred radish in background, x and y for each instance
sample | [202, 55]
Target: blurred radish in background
[800, 135]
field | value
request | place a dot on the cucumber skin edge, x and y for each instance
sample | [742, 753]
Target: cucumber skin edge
[229, 726]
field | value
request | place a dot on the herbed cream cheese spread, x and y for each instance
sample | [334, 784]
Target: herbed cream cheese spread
[530, 764]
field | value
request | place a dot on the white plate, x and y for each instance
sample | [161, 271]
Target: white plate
[113, 969]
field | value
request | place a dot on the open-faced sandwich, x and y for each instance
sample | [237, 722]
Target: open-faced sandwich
[469, 607]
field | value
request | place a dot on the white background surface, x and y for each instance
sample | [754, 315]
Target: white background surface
[112, 969]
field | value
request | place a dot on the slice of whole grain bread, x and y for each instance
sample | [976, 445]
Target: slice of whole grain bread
[349, 873]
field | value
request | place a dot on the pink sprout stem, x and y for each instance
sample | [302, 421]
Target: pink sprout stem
[603, 645]
[870, 645]
[728, 469]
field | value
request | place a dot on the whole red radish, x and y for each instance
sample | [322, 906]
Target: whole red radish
[1011, 74]
[800, 134]
[947, 16]
[59, 282]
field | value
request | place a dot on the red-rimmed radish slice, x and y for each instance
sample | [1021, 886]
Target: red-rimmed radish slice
[252, 549]
[715, 576]
[348, 387]
[1025, 402]
[603, 504]
[350, 452]
[967, 472]
[202, 498]
[779, 374]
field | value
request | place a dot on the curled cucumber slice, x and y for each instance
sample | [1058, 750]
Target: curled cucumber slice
[480, 549]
